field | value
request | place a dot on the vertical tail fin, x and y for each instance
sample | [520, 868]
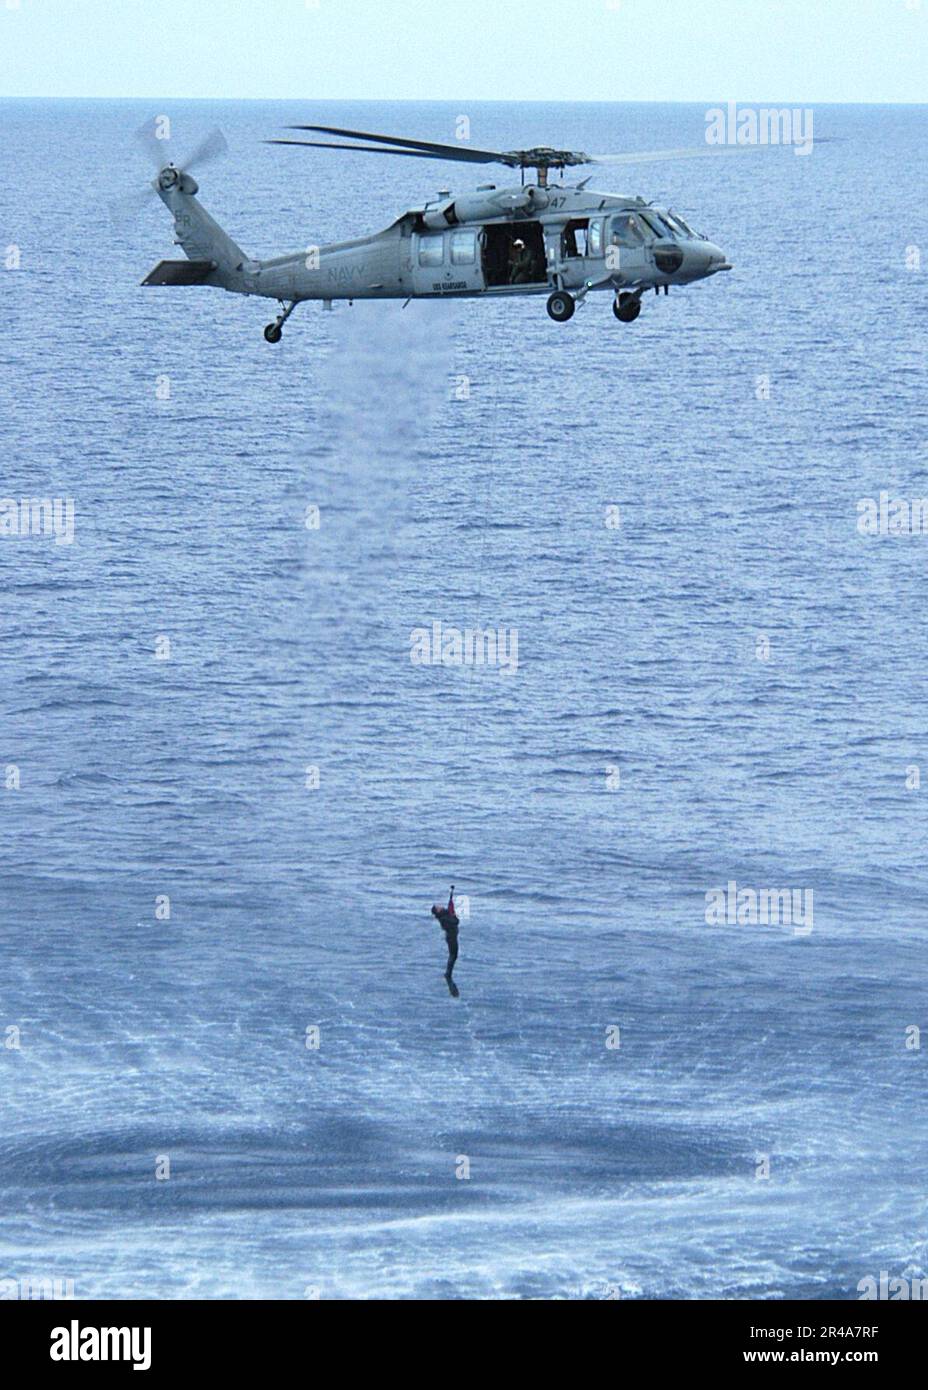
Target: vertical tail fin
[200, 235]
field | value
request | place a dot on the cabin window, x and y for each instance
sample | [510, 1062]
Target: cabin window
[574, 238]
[595, 242]
[431, 250]
[463, 248]
[627, 230]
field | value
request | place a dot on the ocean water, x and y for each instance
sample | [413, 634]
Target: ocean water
[735, 425]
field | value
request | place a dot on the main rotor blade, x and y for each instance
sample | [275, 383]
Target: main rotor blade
[461, 152]
[214, 146]
[696, 152]
[376, 149]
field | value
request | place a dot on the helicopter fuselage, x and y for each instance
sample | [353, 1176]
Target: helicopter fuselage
[500, 241]
[455, 248]
[531, 239]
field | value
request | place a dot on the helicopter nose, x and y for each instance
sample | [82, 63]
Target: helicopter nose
[704, 258]
[715, 258]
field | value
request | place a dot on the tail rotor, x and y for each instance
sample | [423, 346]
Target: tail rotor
[154, 138]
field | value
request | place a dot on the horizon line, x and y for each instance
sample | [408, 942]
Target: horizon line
[488, 101]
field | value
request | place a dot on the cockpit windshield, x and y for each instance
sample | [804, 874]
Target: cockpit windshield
[677, 222]
[658, 225]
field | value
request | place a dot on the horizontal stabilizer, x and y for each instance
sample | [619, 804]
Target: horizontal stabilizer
[180, 273]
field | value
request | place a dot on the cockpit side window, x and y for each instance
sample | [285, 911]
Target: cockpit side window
[626, 230]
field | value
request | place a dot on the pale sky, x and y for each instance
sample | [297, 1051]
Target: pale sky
[494, 50]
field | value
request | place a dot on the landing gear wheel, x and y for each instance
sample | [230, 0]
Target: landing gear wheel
[626, 308]
[561, 306]
[273, 333]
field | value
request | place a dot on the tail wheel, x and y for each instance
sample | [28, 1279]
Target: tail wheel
[273, 333]
[561, 306]
[627, 307]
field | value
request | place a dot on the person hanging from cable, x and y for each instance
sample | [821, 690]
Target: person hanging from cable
[449, 922]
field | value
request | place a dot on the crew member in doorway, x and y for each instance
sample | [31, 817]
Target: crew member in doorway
[520, 263]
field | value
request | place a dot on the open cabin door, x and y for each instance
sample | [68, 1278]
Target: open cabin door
[514, 255]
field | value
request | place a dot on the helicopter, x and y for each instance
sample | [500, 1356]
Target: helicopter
[540, 237]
